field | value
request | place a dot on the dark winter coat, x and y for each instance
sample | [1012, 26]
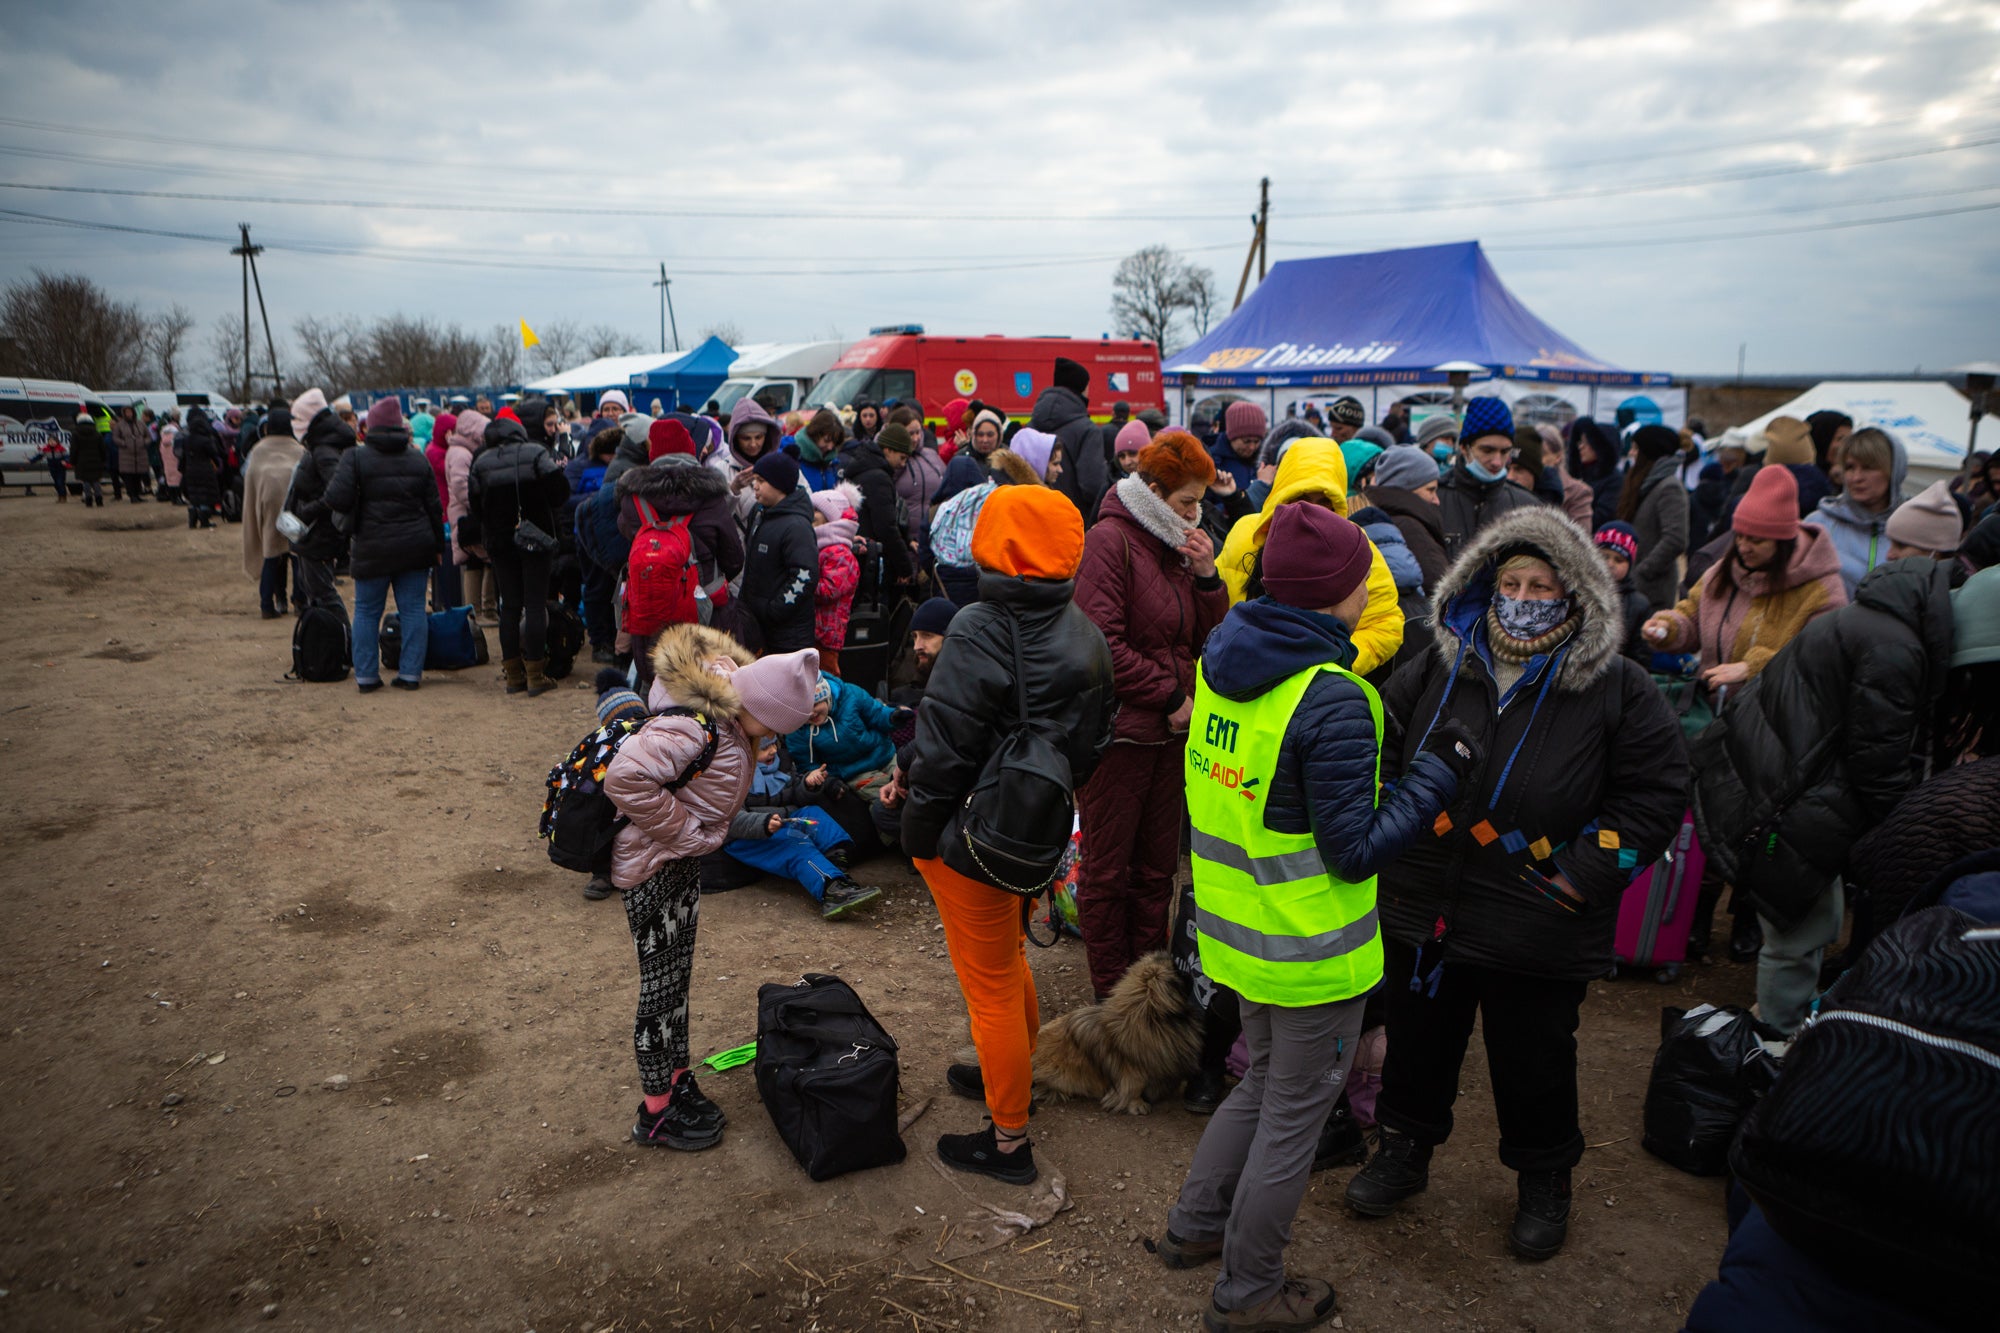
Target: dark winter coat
[1945, 819]
[1583, 773]
[1422, 527]
[631, 453]
[1243, 470]
[391, 493]
[513, 478]
[202, 453]
[1086, 473]
[86, 450]
[1822, 744]
[969, 706]
[1467, 506]
[1325, 783]
[781, 573]
[863, 464]
[1636, 609]
[327, 439]
[1662, 523]
[1602, 476]
[966, 470]
[677, 485]
[1154, 612]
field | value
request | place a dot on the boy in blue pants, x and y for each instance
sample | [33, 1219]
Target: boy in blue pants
[802, 843]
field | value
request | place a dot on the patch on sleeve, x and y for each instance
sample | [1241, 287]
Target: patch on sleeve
[1540, 849]
[1483, 833]
[1442, 824]
[1607, 839]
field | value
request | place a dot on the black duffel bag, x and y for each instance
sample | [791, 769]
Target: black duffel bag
[1877, 1151]
[827, 1073]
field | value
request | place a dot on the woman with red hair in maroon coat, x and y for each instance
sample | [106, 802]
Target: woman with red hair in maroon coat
[1148, 581]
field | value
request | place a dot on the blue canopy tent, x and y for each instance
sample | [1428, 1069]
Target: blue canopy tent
[1389, 318]
[689, 378]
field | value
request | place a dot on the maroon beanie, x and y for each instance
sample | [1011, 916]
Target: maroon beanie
[384, 413]
[667, 436]
[1243, 418]
[1313, 557]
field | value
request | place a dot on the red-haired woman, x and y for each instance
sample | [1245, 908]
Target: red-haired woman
[1148, 580]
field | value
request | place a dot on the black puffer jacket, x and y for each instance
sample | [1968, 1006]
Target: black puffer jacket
[1422, 528]
[392, 494]
[1822, 744]
[1062, 412]
[513, 478]
[1467, 506]
[781, 573]
[201, 453]
[969, 706]
[86, 450]
[676, 485]
[863, 464]
[1945, 819]
[1602, 476]
[328, 439]
[1584, 773]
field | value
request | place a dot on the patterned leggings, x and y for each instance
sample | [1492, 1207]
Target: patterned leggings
[662, 914]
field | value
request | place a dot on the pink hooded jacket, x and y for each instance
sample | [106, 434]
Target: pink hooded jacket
[692, 665]
[468, 437]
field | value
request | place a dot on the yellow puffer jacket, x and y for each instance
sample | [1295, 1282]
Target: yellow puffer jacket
[1314, 468]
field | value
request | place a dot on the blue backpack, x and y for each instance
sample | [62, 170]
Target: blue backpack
[597, 535]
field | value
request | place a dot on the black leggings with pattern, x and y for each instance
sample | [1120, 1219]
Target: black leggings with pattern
[662, 913]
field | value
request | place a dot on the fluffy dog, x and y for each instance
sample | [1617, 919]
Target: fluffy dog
[1138, 1046]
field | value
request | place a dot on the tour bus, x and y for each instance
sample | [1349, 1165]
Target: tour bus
[1005, 373]
[31, 411]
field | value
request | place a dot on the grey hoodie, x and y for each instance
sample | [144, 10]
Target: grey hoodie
[1860, 537]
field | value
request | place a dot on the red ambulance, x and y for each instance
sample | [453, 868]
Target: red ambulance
[1008, 374]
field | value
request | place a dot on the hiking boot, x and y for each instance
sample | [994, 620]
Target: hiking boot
[1341, 1142]
[599, 888]
[1204, 1093]
[1541, 1215]
[517, 675]
[678, 1126]
[980, 1153]
[843, 895]
[537, 681]
[1177, 1253]
[1400, 1168]
[1303, 1302]
[705, 1111]
[842, 855]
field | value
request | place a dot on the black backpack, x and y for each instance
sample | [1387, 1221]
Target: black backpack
[565, 640]
[579, 822]
[826, 1071]
[322, 643]
[1014, 826]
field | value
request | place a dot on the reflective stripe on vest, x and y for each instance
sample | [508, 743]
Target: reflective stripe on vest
[1272, 921]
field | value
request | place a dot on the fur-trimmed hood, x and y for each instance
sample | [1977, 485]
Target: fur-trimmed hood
[1466, 590]
[1011, 469]
[661, 482]
[692, 666]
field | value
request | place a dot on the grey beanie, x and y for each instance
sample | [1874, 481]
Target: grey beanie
[1281, 435]
[1405, 467]
[1443, 426]
[1376, 436]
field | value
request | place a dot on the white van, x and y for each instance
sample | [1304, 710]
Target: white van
[30, 412]
[162, 399]
[777, 375]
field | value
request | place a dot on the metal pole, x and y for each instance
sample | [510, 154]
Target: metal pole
[244, 250]
[662, 285]
[668, 288]
[1263, 226]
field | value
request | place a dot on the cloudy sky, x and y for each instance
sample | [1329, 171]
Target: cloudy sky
[1661, 182]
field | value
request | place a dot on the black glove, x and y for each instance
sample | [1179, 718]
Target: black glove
[901, 718]
[1453, 742]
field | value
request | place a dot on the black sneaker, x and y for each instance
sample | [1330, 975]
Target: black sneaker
[603, 656]
[706, 1111]
[980, 1153]
[678, 1126]
[1541, 1214]
[1401, 1167]
[368, 686]
[400, 684]
[599, 888]
[842, 896]
[842, 856]
[966, 1081]
[1746, 938]
[1204, 1093]
[1341, 1142]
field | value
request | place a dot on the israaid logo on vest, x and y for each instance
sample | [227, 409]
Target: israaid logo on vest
[1229, 776]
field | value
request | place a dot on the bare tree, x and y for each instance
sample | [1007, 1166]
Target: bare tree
[609, 340]
[225, 355]
[167, 341]
[726, 329]
[1146, 294]
[503, 355]
[559, 347]
[64, 326]
[401, 350]
[1199, 296]
[332, 351]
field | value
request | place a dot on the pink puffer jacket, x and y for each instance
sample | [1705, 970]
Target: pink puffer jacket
[468, 437]
[692, 666]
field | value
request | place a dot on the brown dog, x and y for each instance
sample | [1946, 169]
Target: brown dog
[1139, 1045]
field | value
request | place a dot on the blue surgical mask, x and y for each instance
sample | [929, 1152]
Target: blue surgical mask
[1521, 620]
[1481, 473]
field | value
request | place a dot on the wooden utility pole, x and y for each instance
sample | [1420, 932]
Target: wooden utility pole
[666, 286]
[249, 253]
[1258, 251]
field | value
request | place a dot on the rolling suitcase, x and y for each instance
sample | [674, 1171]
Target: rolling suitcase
[1657, 910]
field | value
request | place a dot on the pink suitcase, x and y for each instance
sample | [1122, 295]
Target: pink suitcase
[1658, 908]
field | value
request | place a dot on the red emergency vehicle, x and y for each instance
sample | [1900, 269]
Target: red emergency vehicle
[904, 363]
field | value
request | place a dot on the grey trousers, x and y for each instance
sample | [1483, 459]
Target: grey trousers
[1788, 966]
[1254, 1161]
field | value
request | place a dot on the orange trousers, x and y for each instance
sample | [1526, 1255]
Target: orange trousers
[989, 951]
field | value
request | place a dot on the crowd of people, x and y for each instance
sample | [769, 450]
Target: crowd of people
[1418, 704]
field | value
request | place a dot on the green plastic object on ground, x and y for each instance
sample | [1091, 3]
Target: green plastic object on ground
[734, 1056]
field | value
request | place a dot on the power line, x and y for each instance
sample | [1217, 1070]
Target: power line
[1749, 235]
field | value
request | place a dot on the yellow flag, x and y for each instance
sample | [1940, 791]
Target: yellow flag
[528, 338]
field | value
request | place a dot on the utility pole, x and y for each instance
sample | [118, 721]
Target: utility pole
[248, 253]
[666, 284]
[1258, 251]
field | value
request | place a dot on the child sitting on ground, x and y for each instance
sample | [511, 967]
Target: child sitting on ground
[1618, 543]
[835, 521]
[781, 833]
[851, 733]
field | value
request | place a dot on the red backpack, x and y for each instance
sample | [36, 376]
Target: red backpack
[661, 578]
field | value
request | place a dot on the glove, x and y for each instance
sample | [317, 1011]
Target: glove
[1453, 742]
[901, 718]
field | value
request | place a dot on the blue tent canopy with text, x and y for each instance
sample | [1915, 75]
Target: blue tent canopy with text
[1387, 317]
[691, 377]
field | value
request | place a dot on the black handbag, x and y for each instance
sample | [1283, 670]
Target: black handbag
[1013, 828]
[827, 1073]
[529, 536]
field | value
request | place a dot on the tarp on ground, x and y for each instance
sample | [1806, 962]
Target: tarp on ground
[690, 377]
[1387, 317]
[1932, 419]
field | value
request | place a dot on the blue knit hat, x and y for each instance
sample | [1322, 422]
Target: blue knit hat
[1486, 416]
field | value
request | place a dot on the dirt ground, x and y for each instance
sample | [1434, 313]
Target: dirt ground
[222, 890]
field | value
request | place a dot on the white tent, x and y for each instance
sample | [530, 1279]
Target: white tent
[607, 372]
[1932, 419]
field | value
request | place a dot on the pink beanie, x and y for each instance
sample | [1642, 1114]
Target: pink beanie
[1132, 437]
[778, 690]
[1771, 509]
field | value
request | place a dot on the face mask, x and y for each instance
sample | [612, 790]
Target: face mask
[1481, 473]
[1522, 620]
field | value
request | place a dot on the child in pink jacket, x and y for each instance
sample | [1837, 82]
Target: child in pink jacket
[677, 817]
[836, 518]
